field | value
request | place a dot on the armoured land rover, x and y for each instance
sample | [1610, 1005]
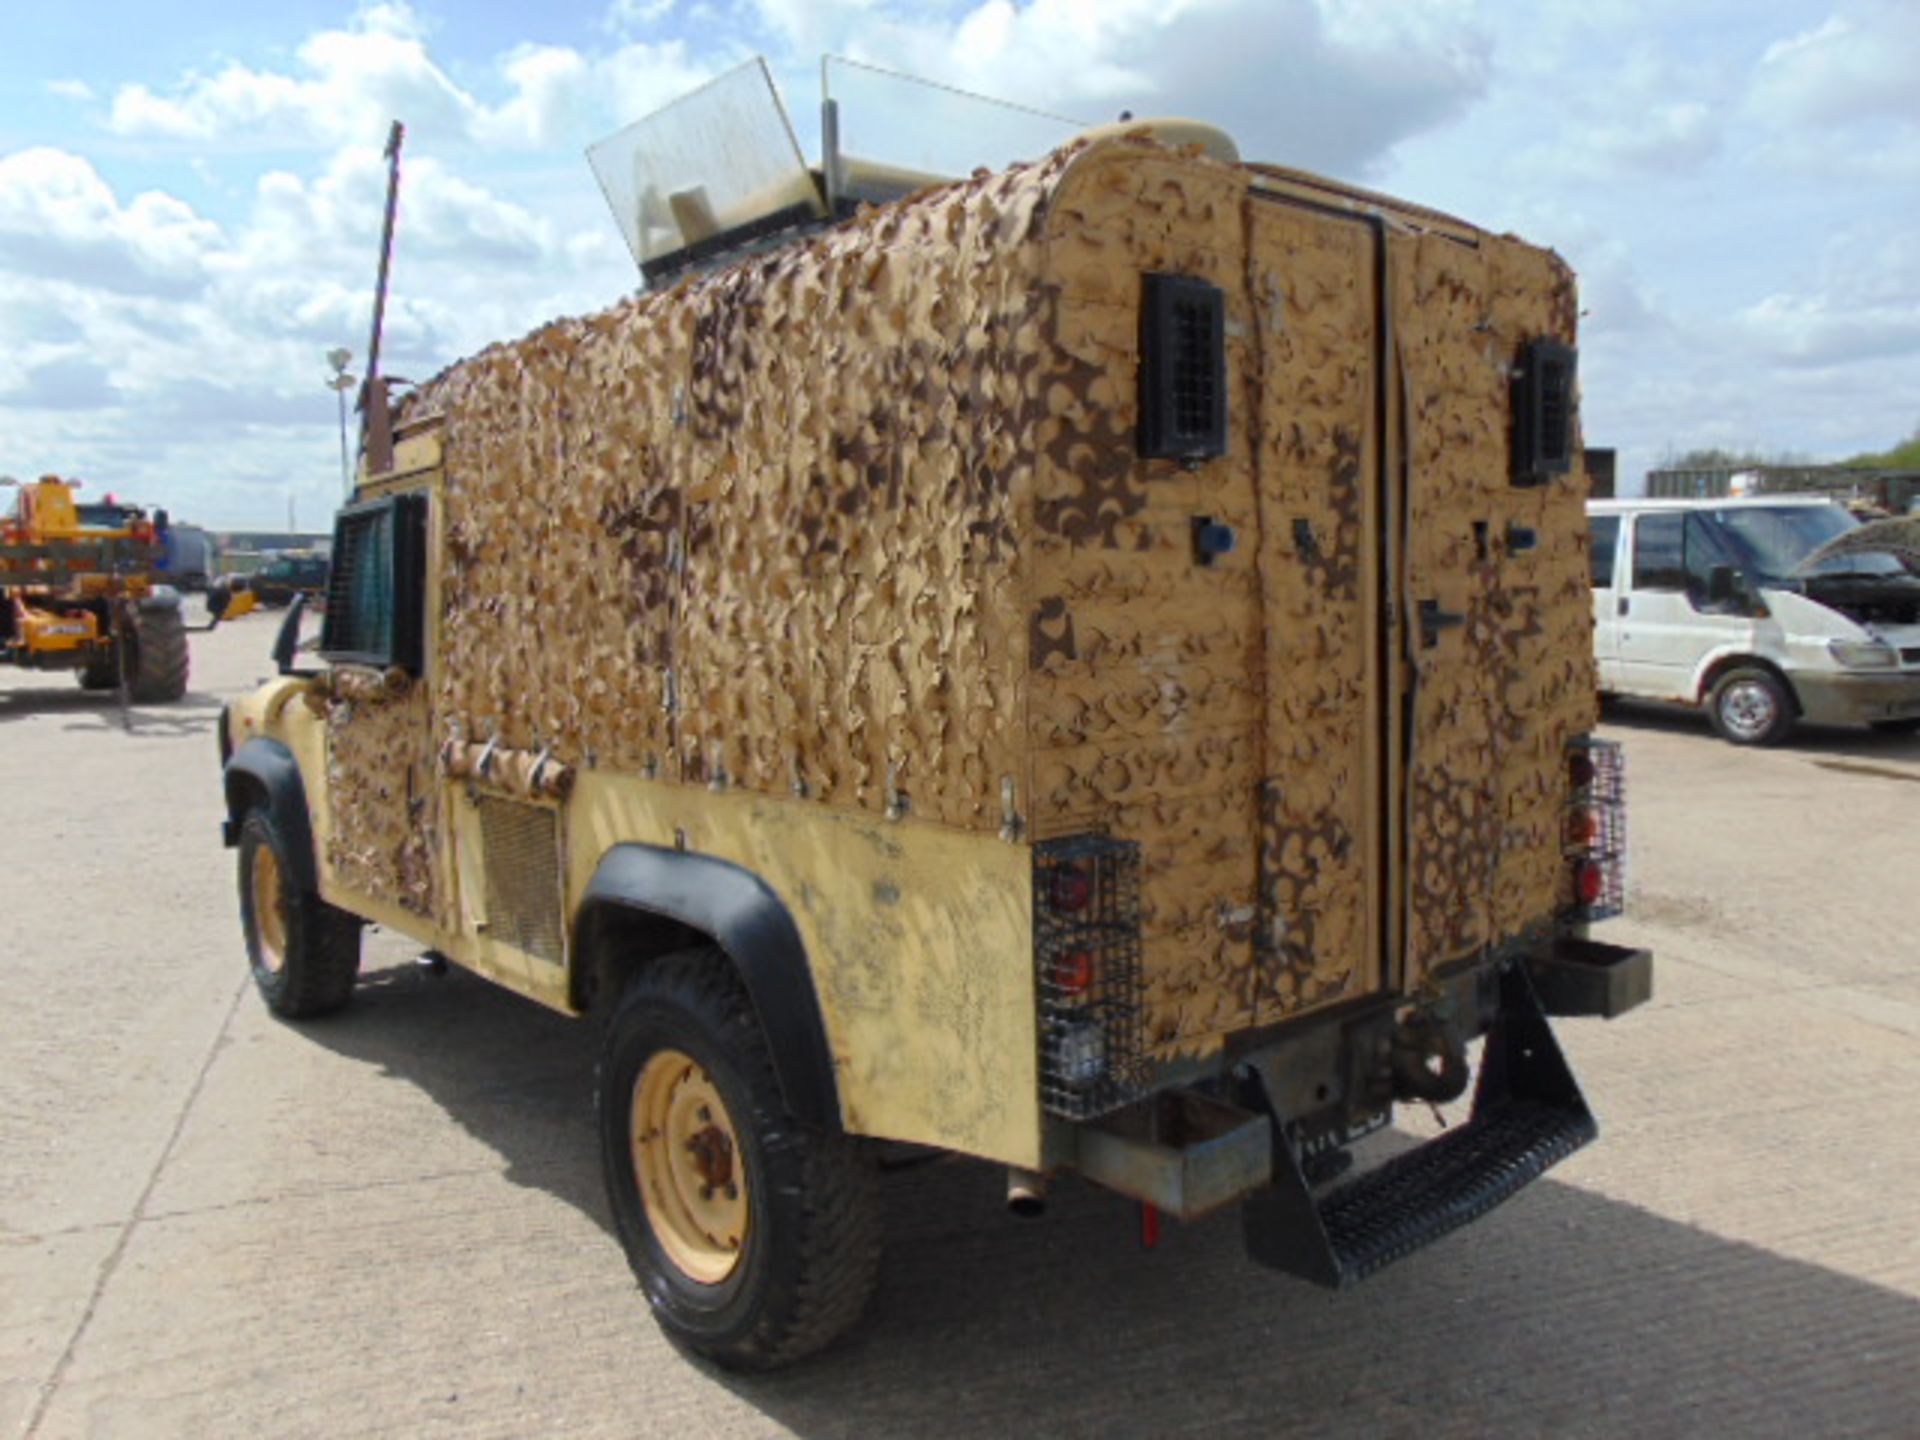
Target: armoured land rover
[1087, 667]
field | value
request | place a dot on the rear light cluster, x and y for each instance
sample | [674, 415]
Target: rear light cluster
[1086, 929]
[1594, 838]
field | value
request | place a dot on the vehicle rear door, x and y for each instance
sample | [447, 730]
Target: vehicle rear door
[1314, 282]
[1494, 648]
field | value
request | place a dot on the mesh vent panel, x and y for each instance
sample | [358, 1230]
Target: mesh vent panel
[521, 850]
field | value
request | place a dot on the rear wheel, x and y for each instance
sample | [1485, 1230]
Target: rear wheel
[156, 659]
[304, 952]
[755, 1237]
[1751, 706]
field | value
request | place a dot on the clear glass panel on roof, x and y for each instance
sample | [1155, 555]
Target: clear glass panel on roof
[898, 133]
[711, 162]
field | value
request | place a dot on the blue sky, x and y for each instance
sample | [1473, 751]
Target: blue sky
[189, 197]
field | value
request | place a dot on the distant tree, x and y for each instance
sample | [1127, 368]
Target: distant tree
[1904, 456]
[1716, 458]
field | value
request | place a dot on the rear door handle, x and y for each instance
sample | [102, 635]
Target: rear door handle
[1433, 620]
[1620, 605]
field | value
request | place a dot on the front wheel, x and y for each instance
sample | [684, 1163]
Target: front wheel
[755, 1237]
[156, 658]
[305, 953]
[1751, 706]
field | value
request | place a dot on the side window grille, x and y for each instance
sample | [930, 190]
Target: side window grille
[376, 588]
[1183, 369]
[1542, 395]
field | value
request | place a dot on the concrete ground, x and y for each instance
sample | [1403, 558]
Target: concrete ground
[390, 1222]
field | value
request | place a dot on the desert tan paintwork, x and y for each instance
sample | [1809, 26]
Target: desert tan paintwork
[920, 939]
[841, 564]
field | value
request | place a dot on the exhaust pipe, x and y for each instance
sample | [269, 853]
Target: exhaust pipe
[1026, 1193]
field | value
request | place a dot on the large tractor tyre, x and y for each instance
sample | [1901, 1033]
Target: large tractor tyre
[156, 659]
[305, 953]
[755, 1237]
[1752, 706]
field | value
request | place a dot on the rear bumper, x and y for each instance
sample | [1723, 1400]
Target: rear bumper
[1857, 699]
[1575, 976]
[1288, 1108]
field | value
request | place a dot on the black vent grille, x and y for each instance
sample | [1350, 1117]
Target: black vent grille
[520, 850]
[1183, 369]
[1543, 394]
[1086, 913]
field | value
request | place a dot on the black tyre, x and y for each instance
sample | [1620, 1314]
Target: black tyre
[756, 1238]
[1752, 706]
[305, 953]
[101, 675]
[156, 659]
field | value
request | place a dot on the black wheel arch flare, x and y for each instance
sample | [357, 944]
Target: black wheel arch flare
[263, 773]
[746, 919]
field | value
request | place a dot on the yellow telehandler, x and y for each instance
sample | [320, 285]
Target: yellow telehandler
[78, 592]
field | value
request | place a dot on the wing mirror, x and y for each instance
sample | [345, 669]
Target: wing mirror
[1725, 586]
[286, 644]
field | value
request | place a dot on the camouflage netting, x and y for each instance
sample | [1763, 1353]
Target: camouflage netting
[380, 779]
[759, 529]
[863, 520]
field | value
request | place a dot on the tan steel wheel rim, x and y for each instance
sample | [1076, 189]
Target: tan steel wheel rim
[269, 911]
[687, 1163]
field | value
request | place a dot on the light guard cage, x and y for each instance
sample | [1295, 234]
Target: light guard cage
[1601, 802]
[1087, 975]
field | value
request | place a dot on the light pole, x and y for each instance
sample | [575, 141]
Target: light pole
[340, 384]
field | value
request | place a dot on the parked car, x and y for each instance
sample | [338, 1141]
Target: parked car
[278, 581]
[1729, 605]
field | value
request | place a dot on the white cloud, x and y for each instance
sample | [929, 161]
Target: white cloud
[60, 221]
[351, 82]
[1859, 62]
[1842, 96]
[346, 85]
[1865, 305]
[1319, 83]
[1660, 116]
[624, 17]
[70, 89]
[141, 318]
[1662, 138]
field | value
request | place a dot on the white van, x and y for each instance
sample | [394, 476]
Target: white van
[1706, 602]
